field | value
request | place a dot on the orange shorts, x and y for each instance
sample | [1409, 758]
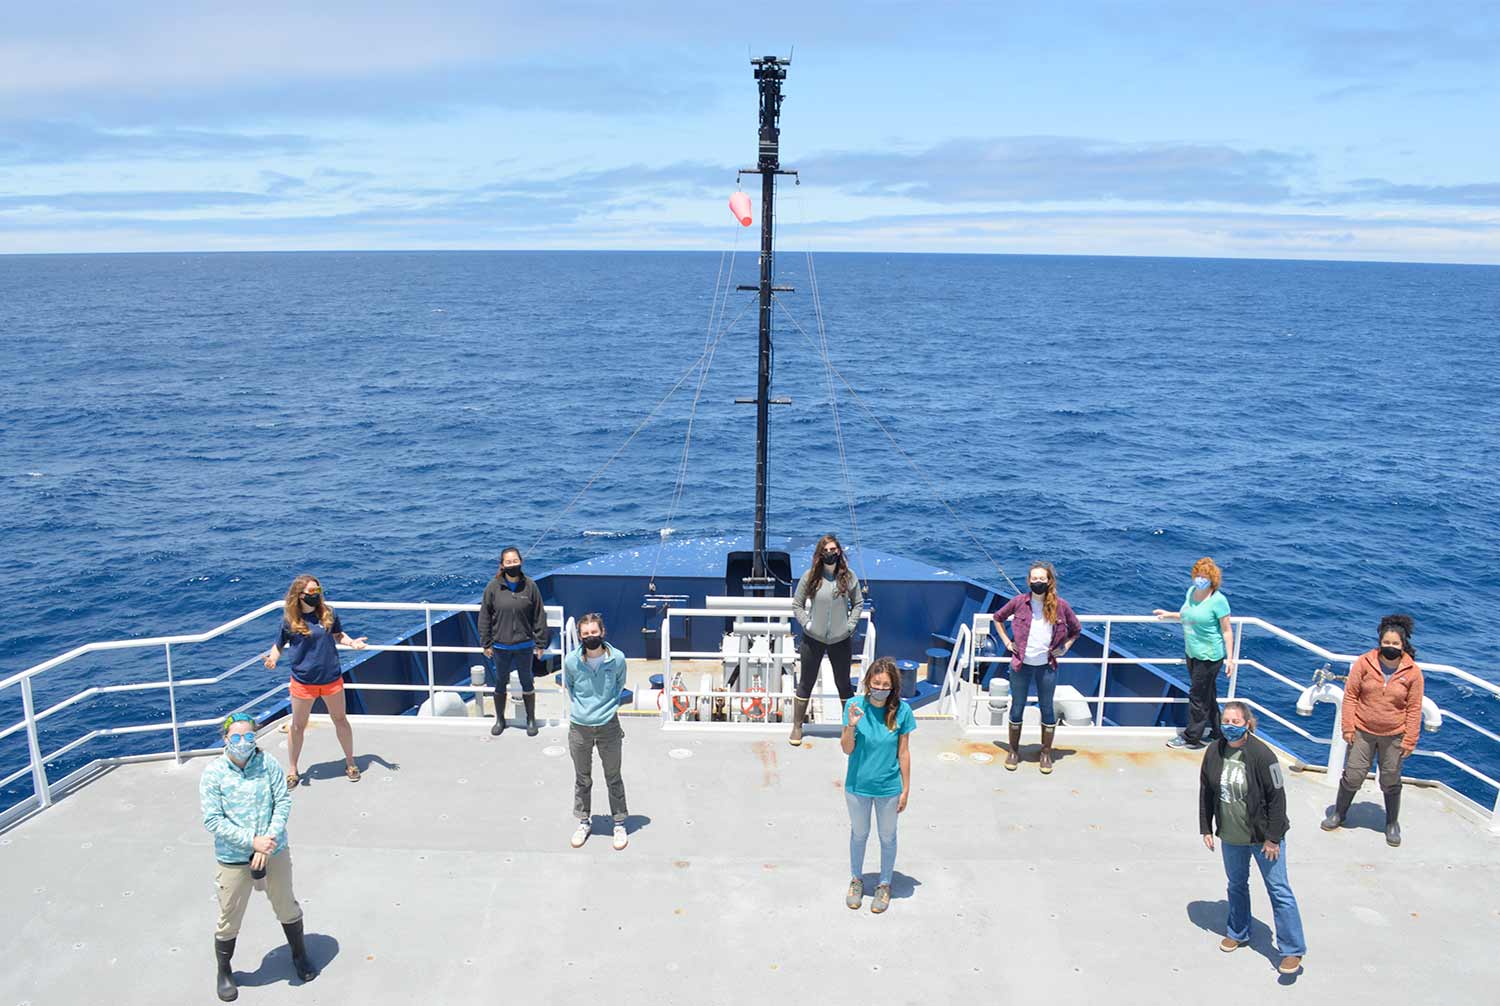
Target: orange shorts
[301, 691]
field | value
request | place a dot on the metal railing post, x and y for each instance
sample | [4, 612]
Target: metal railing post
[1336, 747]
[1495, 816]
[38, 769]
[1237, 634]
[1103, 675]
[172, 702]
[667, 695]
[431, 692]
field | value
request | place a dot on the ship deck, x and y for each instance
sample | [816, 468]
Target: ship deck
[445, 875]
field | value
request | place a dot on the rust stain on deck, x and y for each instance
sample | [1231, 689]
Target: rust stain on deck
[766, 752]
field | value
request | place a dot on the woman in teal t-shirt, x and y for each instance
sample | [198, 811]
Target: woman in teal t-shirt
[876, 725]
[1208, 638]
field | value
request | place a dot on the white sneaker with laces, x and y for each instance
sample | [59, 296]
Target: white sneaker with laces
[621, 839]
[582, 834]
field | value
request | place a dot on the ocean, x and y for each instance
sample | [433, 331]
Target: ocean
[181, 433]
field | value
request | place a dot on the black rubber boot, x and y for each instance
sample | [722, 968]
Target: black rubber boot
[1013, 752]
[499, 727]
[529, 701]
[1335, 818]
[223, 952]
[1392, 812]
[1044, 761]
[300, 961]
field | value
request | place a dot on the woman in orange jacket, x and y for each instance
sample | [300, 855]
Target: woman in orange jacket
[1382, 719]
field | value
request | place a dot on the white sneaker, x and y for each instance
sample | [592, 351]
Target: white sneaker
[621, 840]
[581, 835]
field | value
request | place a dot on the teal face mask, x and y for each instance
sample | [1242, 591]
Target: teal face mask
[241, 746]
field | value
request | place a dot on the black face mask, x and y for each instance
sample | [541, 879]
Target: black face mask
[1038, 587]
[311, 600]
[592, 642]
[831, 560]
[1391, 653]
[514, 572]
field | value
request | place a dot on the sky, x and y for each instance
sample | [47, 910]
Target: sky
[1359, 130]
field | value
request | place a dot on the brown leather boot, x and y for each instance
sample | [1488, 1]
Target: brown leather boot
[799, 713]
[1045, 759]
[1013, 756]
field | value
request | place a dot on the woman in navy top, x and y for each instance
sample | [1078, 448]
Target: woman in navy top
[310, 633]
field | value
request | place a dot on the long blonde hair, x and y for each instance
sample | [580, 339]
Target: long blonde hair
[1049, 599]
[292, 609]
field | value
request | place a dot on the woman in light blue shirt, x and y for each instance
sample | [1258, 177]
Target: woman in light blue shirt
[876, 725]
[1208, 638]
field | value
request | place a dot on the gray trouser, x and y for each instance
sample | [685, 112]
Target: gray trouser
[1364, 751]
[582, 740]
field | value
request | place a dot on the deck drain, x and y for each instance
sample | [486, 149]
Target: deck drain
[463, 782]
[982, 757]
[947, 756]
[554, 750]
[679, 753]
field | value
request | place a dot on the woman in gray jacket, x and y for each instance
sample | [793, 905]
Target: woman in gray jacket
[827, 603]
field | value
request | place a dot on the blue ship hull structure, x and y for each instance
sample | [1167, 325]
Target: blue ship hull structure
[917, 609]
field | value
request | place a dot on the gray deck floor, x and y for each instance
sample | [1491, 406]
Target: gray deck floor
[446, 876]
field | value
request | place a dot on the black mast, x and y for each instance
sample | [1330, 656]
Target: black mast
[770, 71]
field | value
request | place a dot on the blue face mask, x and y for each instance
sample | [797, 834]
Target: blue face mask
[241, 746]
[879, 695]
[1233, 732]
[1201, 582]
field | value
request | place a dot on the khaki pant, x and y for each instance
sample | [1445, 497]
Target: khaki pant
[1364, 751]
[234, 884]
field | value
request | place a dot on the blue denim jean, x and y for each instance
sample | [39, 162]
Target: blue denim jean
[1045, 676]
[497, 675]
[1289, 938]
[859, 832]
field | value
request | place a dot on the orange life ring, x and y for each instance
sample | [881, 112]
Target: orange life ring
[754, 706]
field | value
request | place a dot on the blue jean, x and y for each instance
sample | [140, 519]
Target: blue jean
[1289, 938]
[503, 662]
[1045, 676]
[859, 832]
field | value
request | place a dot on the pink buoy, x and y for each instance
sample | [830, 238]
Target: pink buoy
[739, 205]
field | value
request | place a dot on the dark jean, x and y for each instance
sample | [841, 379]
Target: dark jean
[1045, 676]
[1289, 938]
[1203, 699]
[609, 738]
[840, 656]
[503, 662]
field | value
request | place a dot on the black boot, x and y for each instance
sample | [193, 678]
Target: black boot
[224, 951]
[529, 701]
[499, 726]
[1392, 811]
[300, 961]
[1335, 818]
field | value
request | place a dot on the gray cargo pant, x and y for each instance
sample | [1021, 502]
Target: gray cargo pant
[1368, 749]
[582, 740]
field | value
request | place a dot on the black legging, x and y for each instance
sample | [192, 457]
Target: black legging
[840, 655]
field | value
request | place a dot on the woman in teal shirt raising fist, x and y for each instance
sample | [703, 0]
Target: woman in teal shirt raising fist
[876, 725]
[1209, 640]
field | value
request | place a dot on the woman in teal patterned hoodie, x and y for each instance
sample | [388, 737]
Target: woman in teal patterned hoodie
[245, 806]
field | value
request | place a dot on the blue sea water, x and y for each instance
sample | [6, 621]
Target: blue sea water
[179, 434]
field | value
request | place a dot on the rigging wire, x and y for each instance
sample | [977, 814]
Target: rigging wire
[874, 417]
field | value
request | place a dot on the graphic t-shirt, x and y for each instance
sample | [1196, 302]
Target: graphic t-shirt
[1234, 800]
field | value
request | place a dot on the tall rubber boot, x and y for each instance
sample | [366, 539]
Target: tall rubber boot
[499, 727]
[1392, 812]
[223, 952]
[1013, 756]
[1335, 818]
[300, 961]
[799, 713]
[1044, 761]
[529, 701]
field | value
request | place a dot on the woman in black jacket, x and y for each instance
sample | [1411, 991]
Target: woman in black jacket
[1240, 787]
[513, 633]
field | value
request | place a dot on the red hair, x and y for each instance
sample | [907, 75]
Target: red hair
[1207, 567]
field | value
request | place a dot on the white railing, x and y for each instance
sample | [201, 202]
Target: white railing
[37, 761]
[776, 609]
[962, 697]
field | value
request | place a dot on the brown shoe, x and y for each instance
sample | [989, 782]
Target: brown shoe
[1229, 945]
[1013, 753]
[1044, 760]
[1290, 965]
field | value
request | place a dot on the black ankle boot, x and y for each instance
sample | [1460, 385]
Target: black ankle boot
[1392, 812]
[529, 701]
[499, 727]
[224, 952]
[1335, 818]
[300, 961]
